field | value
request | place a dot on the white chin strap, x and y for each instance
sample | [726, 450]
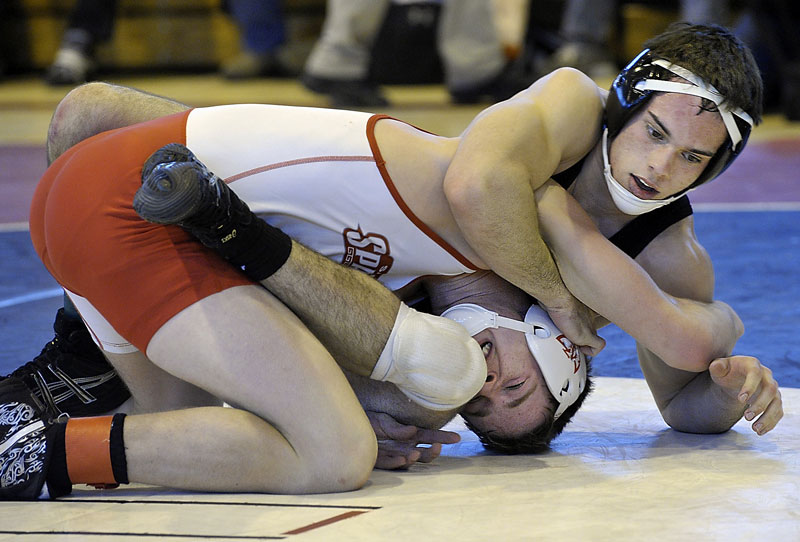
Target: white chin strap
[624, 200]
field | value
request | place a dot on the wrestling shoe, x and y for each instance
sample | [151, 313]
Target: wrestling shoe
[184, 192]
[168, 154]
[70, 375]
[26, 447]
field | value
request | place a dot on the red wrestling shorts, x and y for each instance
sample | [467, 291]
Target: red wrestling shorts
[137, 275]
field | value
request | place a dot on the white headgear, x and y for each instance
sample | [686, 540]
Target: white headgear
[562, 364]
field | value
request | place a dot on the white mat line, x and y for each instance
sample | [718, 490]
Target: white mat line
[14, 226]
[33, 296]
[747, 206]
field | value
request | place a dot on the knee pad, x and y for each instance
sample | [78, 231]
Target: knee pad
[433, 360]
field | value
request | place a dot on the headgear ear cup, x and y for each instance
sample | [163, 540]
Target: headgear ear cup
[562, 363]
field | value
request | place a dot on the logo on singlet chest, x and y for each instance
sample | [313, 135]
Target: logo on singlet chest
[367, 252]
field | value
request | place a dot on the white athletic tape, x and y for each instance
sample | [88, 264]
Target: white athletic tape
[432, 360]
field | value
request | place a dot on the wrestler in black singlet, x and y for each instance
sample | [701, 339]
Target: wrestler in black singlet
[636, 234]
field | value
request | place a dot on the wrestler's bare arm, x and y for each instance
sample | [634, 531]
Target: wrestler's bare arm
[686, 334]
[351, 313]
[505, 154]
[713, 400]
[387, 398]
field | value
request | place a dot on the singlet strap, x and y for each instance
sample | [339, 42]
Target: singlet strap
[567, 177]
[637, 234]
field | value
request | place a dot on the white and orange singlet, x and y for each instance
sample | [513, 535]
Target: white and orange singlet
[315, 173]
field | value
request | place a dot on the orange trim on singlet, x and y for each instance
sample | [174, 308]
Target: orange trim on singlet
[387, 179]
[297, 162]
[88, 448]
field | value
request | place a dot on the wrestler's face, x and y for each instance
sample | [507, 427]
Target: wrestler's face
[666, 146]
[515, 399]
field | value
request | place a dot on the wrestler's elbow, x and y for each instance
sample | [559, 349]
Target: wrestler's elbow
[702, 338]
[698, 424]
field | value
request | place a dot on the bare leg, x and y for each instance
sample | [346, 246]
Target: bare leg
[153, 389]
[300, 428]
[96, 107]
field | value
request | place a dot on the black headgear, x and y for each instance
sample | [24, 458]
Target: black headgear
[647, 74]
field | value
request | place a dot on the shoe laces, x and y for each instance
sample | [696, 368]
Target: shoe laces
[46, 363]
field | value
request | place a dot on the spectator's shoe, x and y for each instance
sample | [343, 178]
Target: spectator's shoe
[187, 194]
[592, 59]
[25, 445]
[510, 81]
[249, 64]
[70, 375]
[73, 62]
[346, 92]
[70, 67]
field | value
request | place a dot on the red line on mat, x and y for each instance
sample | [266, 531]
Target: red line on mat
[325, 522]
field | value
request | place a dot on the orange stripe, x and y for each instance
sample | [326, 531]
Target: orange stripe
[325, 522]
[88, 450]
[297, 162]
[381, 163]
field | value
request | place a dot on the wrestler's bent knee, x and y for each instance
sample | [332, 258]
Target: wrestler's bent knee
[70, 123]
[339, 467]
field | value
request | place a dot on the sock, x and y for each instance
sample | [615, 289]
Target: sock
[95, 452]
[58, 482]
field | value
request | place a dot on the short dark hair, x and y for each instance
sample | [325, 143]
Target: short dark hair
[536, 440]
[714, 54]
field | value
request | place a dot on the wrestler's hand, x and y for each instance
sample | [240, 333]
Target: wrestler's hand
[398, 444]
[752, 384]
[576, 321]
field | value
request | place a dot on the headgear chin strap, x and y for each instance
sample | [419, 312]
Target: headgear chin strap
[562, 364]
[636, 84]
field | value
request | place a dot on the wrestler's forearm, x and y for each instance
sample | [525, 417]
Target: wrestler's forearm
[498, 218]
[351, 313]
[385, 397]
[686, 334]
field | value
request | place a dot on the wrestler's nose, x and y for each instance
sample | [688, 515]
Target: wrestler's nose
[660, 163]
[488, 386]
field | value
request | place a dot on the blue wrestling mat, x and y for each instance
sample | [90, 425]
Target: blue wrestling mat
[756, 256]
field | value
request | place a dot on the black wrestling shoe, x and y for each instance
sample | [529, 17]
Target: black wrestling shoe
[168, 154]
[26, 447]
[71, 376]
[187, 194]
